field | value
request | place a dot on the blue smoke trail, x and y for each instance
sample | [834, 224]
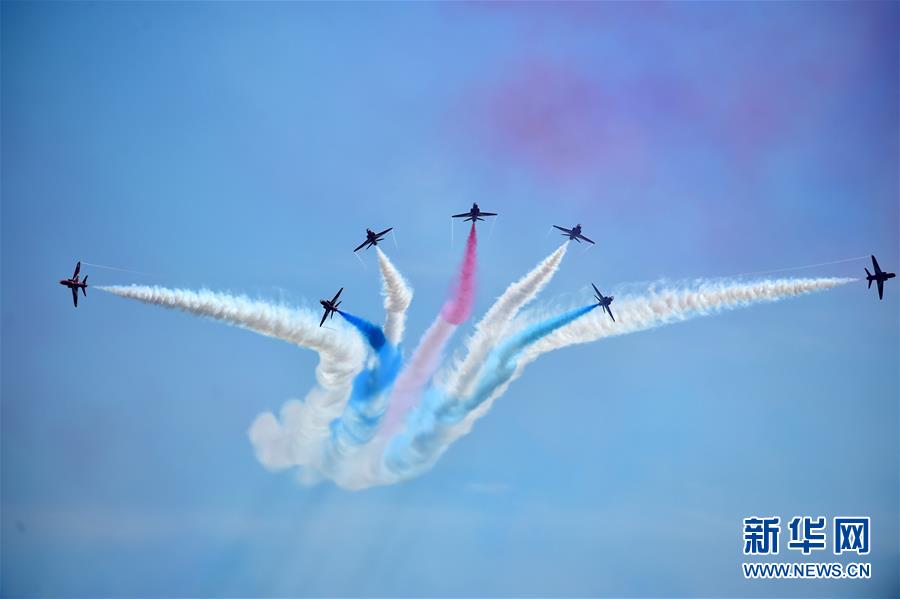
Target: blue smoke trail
[501, 363]
[372, 332]
[367, 404]
[368, 400]
[426, 436]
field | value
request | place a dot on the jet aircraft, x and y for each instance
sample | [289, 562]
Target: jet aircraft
[330, 306]
[474, 214]
[603, 301]
[372, 238]
[573, 233]
[75, 284]
[879, 277]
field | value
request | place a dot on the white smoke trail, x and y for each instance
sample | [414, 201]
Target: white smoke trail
[397, 297]
[494, 324]
[653, 309]
[665, 306]
[341, 352]
[297, 439]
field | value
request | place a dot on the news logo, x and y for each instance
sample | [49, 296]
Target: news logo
[805, 536]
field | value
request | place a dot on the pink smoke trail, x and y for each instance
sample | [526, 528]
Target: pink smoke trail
[422, 365]
[459, 306]
[426, 358]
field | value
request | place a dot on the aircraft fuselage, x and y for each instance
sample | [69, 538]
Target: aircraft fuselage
[73, 283]
[474, 214]
[882, 276]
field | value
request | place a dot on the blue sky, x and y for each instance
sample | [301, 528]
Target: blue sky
[245, 147]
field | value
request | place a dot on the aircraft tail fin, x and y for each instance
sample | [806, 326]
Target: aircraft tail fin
[869, 276]
[84, 289]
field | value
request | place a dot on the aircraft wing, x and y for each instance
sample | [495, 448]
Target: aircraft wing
[337, 295]
[487, 214]
[78, 268]
[880, 289]
[360, 246]
[385, 232]
[585, 238]
[563, 229]
[324, 316]
[595, 289]
[874, 265]
[609, 311]
[75, 295]
[469, 213]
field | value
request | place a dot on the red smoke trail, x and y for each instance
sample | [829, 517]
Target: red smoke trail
[459, 305]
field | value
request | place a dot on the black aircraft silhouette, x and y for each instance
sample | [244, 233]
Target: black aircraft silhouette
[573, 233]
[330, 306]
[474, 214]
[372, 238]
[879, 277]
[604, 301]
[75, 284]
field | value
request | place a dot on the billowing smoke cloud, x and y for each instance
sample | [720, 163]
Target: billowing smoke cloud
[345, 435]
[339, 429]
